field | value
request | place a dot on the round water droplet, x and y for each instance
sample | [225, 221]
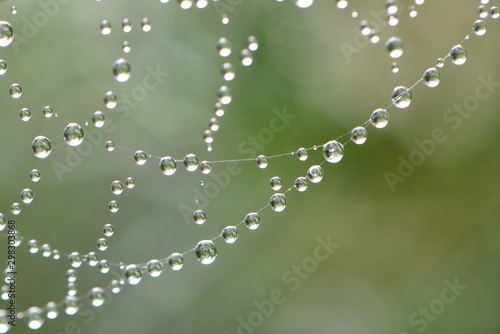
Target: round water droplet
[342, 4]
[440, 63]
[121, 70]
[278, 202]
[105, 27]
[15, 208]
[46, 250]
[219, 109]
[479, 27]
[47, 111]
[102, 244]
[302, 154]
[70, 305]
[205, 252]
[199, 217]
[104, 266]
[115, 286]
[110, 146]
[92, 259]
[35, 175]
[33, 247]
[393, 20]
[333, 151]
[354, 14]
[130, 183]
[3, 67]
[494, 12]
[71, 275]
[126, 25]
[395, 47]
[56, 255]
[276, 183]
[73, 134]
[374, 36]
[301, 184]
[413, 11]
[186, 4]
[97, 297]
[224, 47]
[110, 100]
[205, 167]
[34, 318]
[253, 44]
[154, 268]
[117, 187]
[214, 124]
[191, 162]
[98, 119]
[395, 68]
[176, 261]
[75, 259]
[224, 19]
[224, 95]
[15, 91]
[262, 161]
[252, 220]
[431, 77]
[366, 28]
[25, 114]
[379, 118]
[27, 196]
[2, 222]
[126, 47]
[52, 310]
[168, 165]
[208, 137]
[6, 34]
[401, 97]
[359, 135]
[482, 11]
[227, 71]
[304, 3]
[230, 234]
[140, 157]
[133, 274]
[246, 57]
[71, 289]
[108, 230]
[315, 174]
[458, 55]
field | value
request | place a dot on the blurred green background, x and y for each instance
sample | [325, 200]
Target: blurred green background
[396, 248]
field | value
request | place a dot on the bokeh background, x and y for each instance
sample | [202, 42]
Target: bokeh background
[396, 248]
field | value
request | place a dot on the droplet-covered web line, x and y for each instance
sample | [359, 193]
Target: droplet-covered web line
[205, 251]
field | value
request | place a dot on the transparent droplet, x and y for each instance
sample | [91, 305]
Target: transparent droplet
[276, 183]
[3, 67]
[253, 44]
[6, 34]
[105, 27]
[224, 47]
[15, 208]
[154, 268]
[130, 182]
[92, 259]
[176, 261]
[168, 165]
[201, 3]
[126, 25]
[359, 135]
[56, 255]
[121, 70]
[46, 250]
[27, 196]
[301, 184]
[246, 57]
[219, 109]
[205, 167]
[71, 305]
[35, 175]
[71, 275]
[15, 90]
[227, 71]
[47, 111]
[97, 296]
[199, 217]
[73, 134]
[315, 174]
[208, 137]
[133, 274]
[366, 28]
[98, 119]
[104, 266]
[252, 220]
[4, 321]
[401, 97]
[278, 202]
[115, 286]
[214, 124]
[333, 151]
[224, 95]
[374, 36]
[102, 244]
[395, 68]
[110, 100]
[458, 55]
[479, 27]
[393, 20]
[354, 14]
[117, 187]
[110, 146]
[482, 11]
[395, 47]
[25, 114]
[413, 11]
[205, 252]
[140, 157]
[186, 4]
[33, 247]
[262, 161]
[230, 234]
[34, 317]
[392, 7]
[108, 230]
[494, 12]
[2, 222]
[126, 47]
[304, 3]
[302, 154]
[52, 310]
[75, 259]
[431, 77]
[379, 118]
[71, 289]
[224, 19]
[191, 162]
[342, 4]
[440, 63]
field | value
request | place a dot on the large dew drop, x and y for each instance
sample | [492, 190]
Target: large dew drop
[191, 162]
[6, 34]
[315, 174]
[176, 261]
[133, 274]
[333, 151]
[205, 252]
[121, 70]
[73, 134]
[458, 55]
[34, 317]
[401, 97]
[395, 47]
[379, 118]
[252, 220]
[41, 147]
[15, 91]
[154, 268]
[278, 202]
[359, 135]
[304, 3]
[168, 165]
[431, 77]
[97, 297]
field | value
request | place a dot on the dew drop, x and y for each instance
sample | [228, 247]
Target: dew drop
[15, 91]
[130, 182]
[276, 183]
[252, 220]
[379, 118]
[393, 20]
[71, 305]
[224, 47]
[133, 274]
[342, 4]
[186, 4]
[479, 27]
[395, 68]
[3, 67]
[176, 261]
[278, 202]
[168, 165]
[27, 196]
[205, 252]
[110, 100]
[458, 55]
[102, 244]
[205, 167]
[52, 310]
[15, 208]
[401, 97]
[494, 12]
[117, 187]
[224, 19]
[219, 109]
[126, 47]
[214, 124]
[154, 268]
[47, 111]
[431, 77]
[227, 71]
[359, 135]
[56, 255]
[224, 95]
[33, 247]
[25, 114]
[246, 57]
[253, 44]
[440, 63]
[333, 151]
[115, 286]
[395, 47]
[97, 297]
[71, 275]
[413, 11]
[110, 146]
[104, 266]
[140, 157]
[374, 37]
[34, 317]
[301, 184]
[105, 27]
[208, 137]
[315, 174]
[191, 162]
[114, 206]
[71, 289]
[92, 259]
[126, 25]
[262, 161]
[73, 134]
[302, 154]
[6, 34]
[199, 217]
[304, 3]
[230, 234]
[98, 119]
[75, 260]
[121, 70]
[366, 28]
[482, 11]
[201, 3]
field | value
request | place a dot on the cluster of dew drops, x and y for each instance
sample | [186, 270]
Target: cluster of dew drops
[205, 250]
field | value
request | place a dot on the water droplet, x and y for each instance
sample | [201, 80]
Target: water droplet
[97, 296]
[395, 47]
[479, 27]
[6, 34]
[71, 289]
[140, 157]
[219, 109]
[359, 135]
[205, 252]
[110, 146]
[379, 118]
[176, 261]
[224, 47]
[201, 3]
[401, 97]
[208, 137]
[392, 7]
[105, 27]
[224, 95]
[34, 317]
[3, 67]
[130, 183]
[302, 154]
[230, 234]
[213, 124]
[354, 14]
[117, 187]
[121, 70]
[71, 305]
[47, 111]
[224, 19]
[15, 90]
[494, 12]
[278, 202]
[342, 4]
[73, 134]
[52, 310]
[104, 266]
[27, 196]
[108, 230]
[395, 68]
[227, 71]
[304, 3]
[199, 217]
[15, 208]
[333, 151]
[191, 162]
[431, 77]
[25, 114]
[301, 184]
[133, 274]
[252, 220]
[33, 247]
[126, 47]
[126, 25]
[75, 260]
[115, 286]
[98, 119]
[253, 44]
[46, 250]
[315, 174]
[205, 167]
[366, 28]
[276, 183]
[482, 11]
[110, 100]
[246, 57]
[393, 20]
[56, 255]
[168, 165]
[146, 25]
[114, 206]
[102, 244]
[92, 259]
[458, 55]
[262, 161]
[71, 275]
[185, 4]
[154, 268]
[35, 175]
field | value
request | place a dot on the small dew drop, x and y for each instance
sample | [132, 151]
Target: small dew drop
[379, 118]
[315, 174]
[121, 70]
[133, 274]
[224, 47]
[458, 55]
[276, 183]
[246, 57]
[333, 151]
[359, 135]
[191, 162]
[431, 77]
[35, 175]
[25, 114]
[199, 217]
[252, 221]
[230, 234]
[278, 202]
[6, 34]
[262, 161]
[110, 100]
[176, 261]
[110, 146]
[401, 97]
[102, 244]
[130, 182]
[105, 27]
[140, 157]
[301, 184]
[15, 90]
[205, 251]
[146, 25]
[154, 268]
[205, 167]
[168, 165]
[395, 47]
